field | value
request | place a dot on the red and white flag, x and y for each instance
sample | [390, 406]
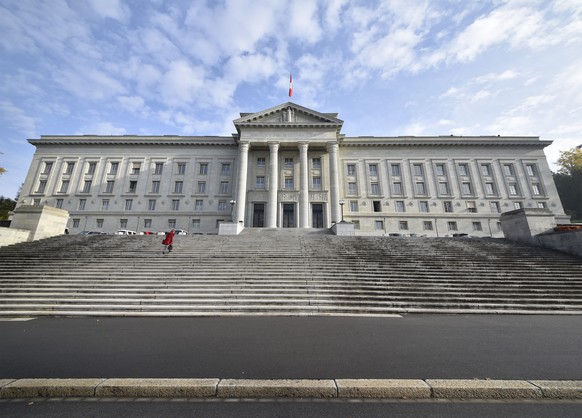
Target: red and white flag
[290, 85]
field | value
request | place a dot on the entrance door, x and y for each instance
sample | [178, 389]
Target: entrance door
[288, 215]
[317, 215]
[258, 215]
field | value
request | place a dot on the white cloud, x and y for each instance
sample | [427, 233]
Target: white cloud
[16, 118]
[103, 128]
[180, 83]
[110, 8]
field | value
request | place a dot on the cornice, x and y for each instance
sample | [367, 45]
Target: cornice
[133, 140]
[444, 141]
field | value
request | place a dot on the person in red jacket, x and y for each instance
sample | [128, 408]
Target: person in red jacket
[168, 242]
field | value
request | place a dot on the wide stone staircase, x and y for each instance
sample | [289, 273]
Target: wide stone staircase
[284, 272]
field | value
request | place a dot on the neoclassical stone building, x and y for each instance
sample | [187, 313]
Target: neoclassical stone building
[291, 167]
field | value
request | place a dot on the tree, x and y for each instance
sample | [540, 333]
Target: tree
[6, 205]
[568, 181]
[2, 170]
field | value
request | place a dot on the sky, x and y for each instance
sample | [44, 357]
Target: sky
[387, 67]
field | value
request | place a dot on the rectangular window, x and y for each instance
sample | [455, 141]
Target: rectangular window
[486, 169]
[471, 207]
[64, 186]
[495, 208]
[152, 204]
[123, 223]
[155, 186]
[403, 225]
[395, 169]
[195, 223]
[199, 204]
[178, 186]
[443, 187]
[353, 205]
[508, 169]
[530, 169]
[132, 186]
[420, 187]
[36, 202]
[356, 224]
[477, 226]
[105, 204]
[203, 169]
[175, 204]
[288, 162]
[222, 205]
[489, 188]
[317, 183]
[397, 187]
[76, 223]
[128, 204]
[99, 223]
[225, 169]
[448, 206]
[59, 204]
[159, 168]
[373, 169]
[379, 225]
[374, 189]
[47, 167]
[90, 170]
[288, 182]
[512, 189]
[113, 167]
[82, 203]
[171, 223]
[181, 168]
[224, 187]
[542, 205]
[417, 169]
[399, 206]
[135, 168]
[71, 167]
[109, 186]
[260, 183]
[201, 187]
[517, 205]
[377, 206]
[261, 162]
[440, 169]
[423, 206]
[351, 169]
[466, 189]
[535, 189]
[452, 226]
[316, 163]
[87, 186]
[463, 171]
[147, 223]
[427, 225]
[352, 189]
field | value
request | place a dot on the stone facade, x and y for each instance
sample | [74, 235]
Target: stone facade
[290, 167]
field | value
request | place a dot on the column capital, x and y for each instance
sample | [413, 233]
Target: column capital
[274, 145]
[332, 146]
[303, 144]
[244, 145]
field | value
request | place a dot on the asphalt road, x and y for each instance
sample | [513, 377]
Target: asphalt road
[414, 346]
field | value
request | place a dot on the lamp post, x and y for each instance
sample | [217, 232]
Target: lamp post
[232, 202]
[341, 202]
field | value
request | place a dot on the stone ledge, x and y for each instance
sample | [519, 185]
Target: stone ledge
[159, 388]
[483, 389]
[250, 388]
[382, 388]
[62, 388]
[558, 389]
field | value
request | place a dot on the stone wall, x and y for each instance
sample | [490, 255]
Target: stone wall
[9, 236]
[568, 241]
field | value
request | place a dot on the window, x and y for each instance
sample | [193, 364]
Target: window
[36, 202]
[443, 187]
[181, 168]
[113, 167]
[420, 187]
[128, 204]
[288, 182]
[90, 170]
[373, 169]
[155, 186]
[374, 189]
[530, 170]
[403, 225]
[105, 204]
[222, 205]
[471, 207]
[109, 186]
[178, 186]
[159, 168]
[41, 186]
[123, 223]
[377, 206]
[71, 167]
[427, 225]
[199, 204]
[316, 163]
[87, 186]
[486, 169]
[224, 187]
[288, 162]
[463, 171]
[99, 223]
[59, 204]
[542, 205]
[152, 204]
[466, 188]
[495, 208]
[477, 226]
[64, 186]
[261, 162]
[452, 226]
[356, 224]
[353, 205]
[508, 169]
[352, 189]
[203, 170]
[225, 169]
[82, 203]
[512, 189]
[395, 169]
[317, 183]
[175, 204]
[260, 183]
[47, 167]
[201, 187]
[136, 167]
[147, 223]
[417, 169]
[397, 187]
[171, 223]
[76, 223]
[535, 189]
[517, 205]
[489, 188]
[423, 206]
[195, 223]
[399, 206]
[132, 186]
[379, 225]
[351, 169]
[448, 206]
[440, 169]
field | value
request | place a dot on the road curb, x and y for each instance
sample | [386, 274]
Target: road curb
[295, 388]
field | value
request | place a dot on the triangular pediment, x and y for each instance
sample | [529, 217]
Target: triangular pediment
[289, 114]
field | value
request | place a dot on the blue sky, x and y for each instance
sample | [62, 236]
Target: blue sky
[388, 67]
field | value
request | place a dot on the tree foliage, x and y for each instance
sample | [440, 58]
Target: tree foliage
[570, 161]
[568, 181]
[6, 205]
[2, 170]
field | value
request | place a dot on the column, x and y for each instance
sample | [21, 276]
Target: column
[332, 148]
[241, 192]
[273, 185]
[303, 186]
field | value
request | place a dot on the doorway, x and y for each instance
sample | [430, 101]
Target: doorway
[258, 215]
[317, 215]
[288, 215]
